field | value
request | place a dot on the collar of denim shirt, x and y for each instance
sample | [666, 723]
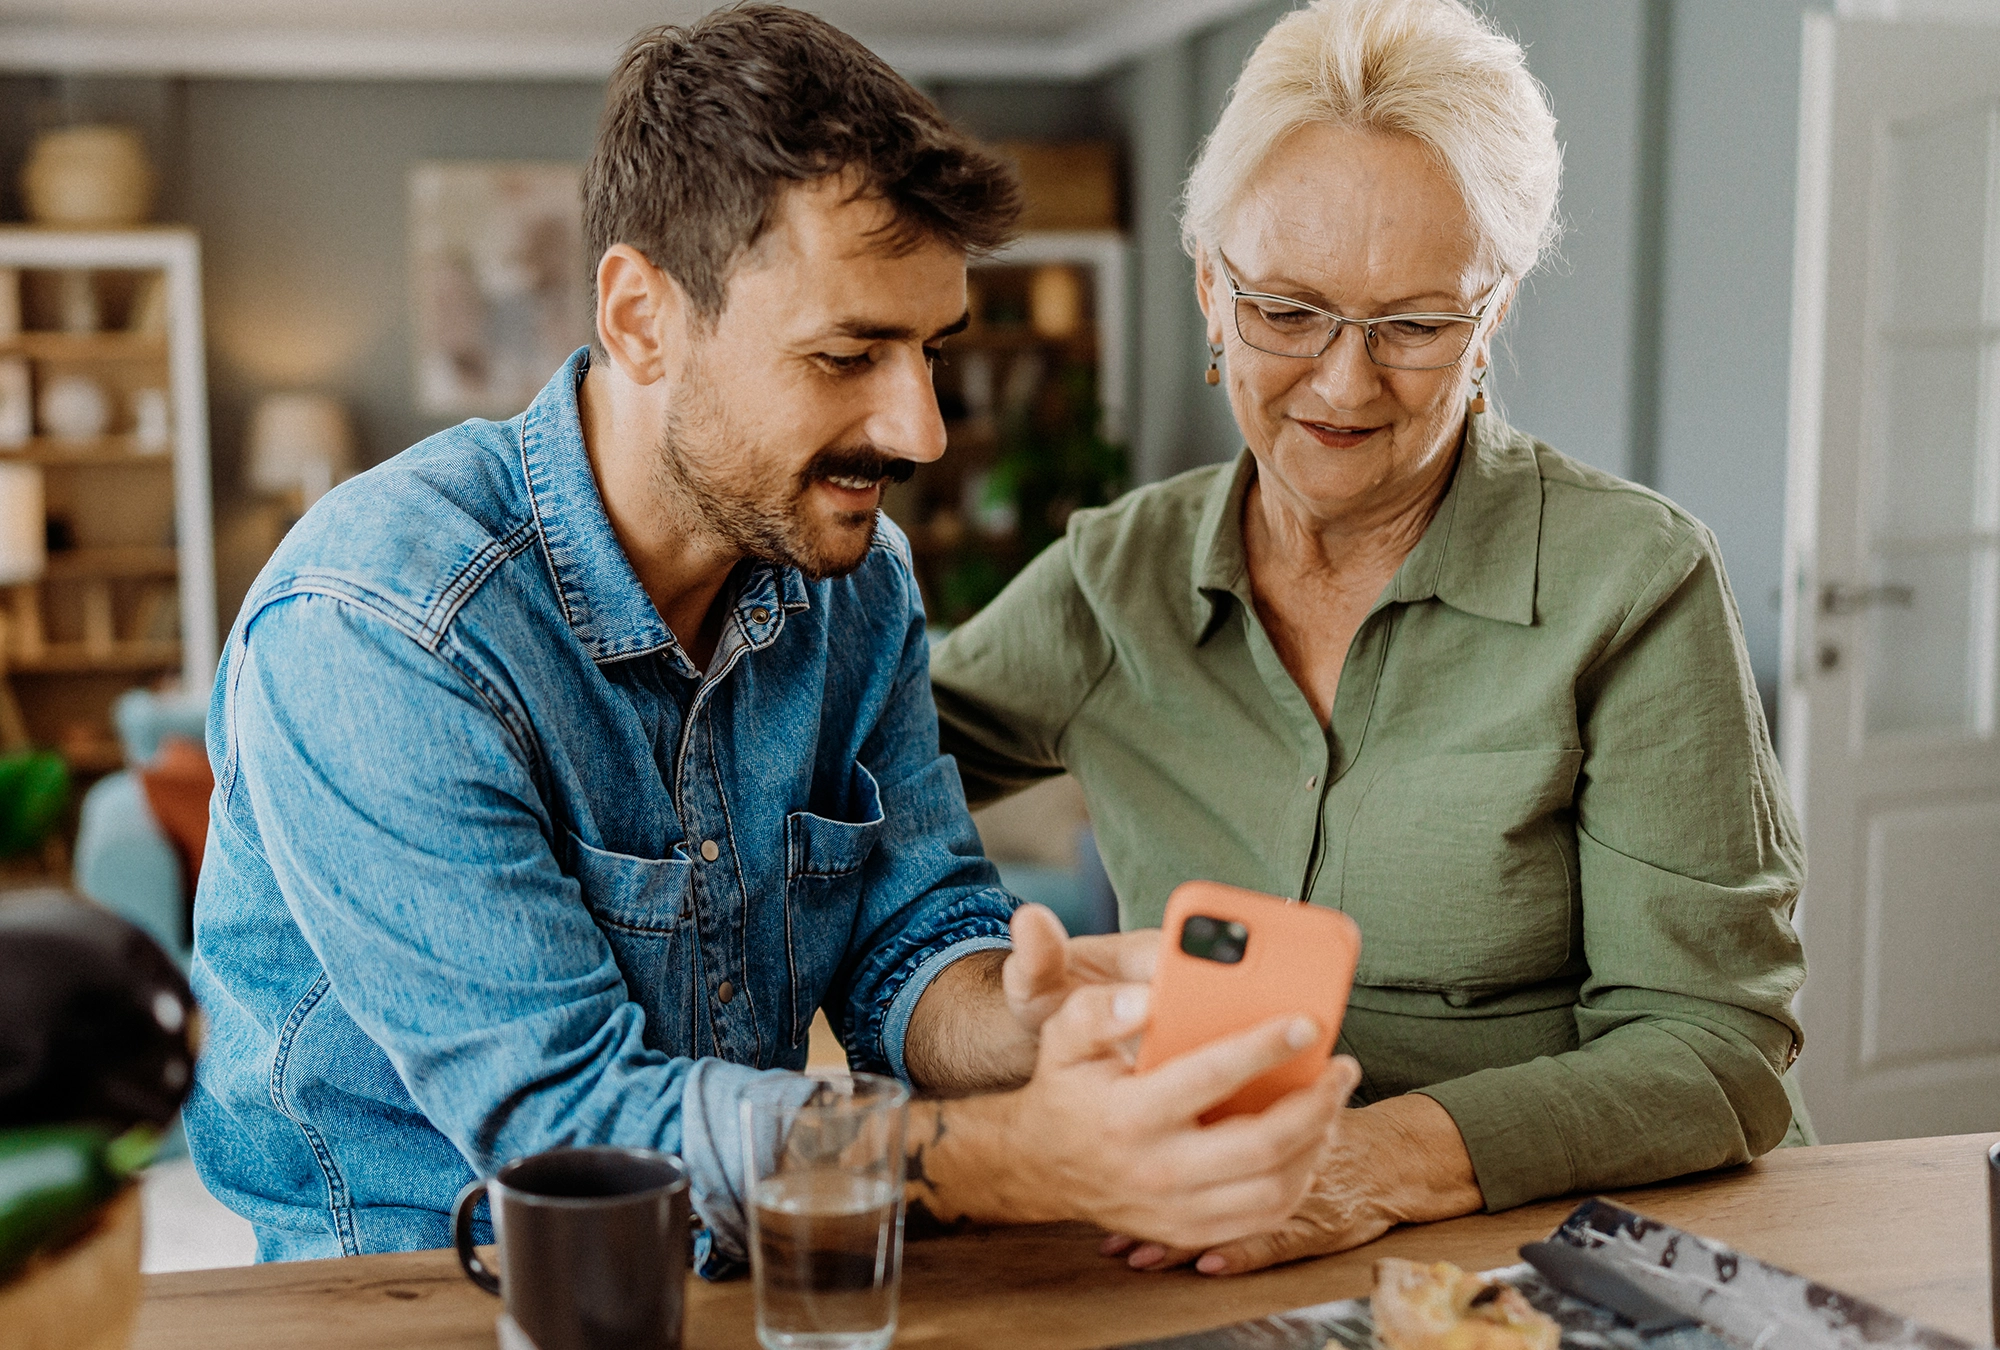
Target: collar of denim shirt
[1479, 554]
[607, 608]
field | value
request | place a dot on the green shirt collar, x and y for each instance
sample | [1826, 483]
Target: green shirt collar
[1478, 554]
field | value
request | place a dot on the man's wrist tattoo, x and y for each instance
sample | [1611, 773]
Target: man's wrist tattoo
[919, 1220]
[919, 1223]
[914, 1169]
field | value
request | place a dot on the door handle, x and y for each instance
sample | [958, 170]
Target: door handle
[1836, 599]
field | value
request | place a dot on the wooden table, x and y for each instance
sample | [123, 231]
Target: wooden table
[1902, 1223]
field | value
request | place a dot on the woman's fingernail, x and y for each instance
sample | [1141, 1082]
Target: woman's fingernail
[1116, 1245]
[1212, 1264]
[1146, 1257]
[1129, 1004]
[1301, 1033]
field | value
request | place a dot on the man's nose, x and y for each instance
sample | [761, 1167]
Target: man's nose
[905, 419]
[1345, 375]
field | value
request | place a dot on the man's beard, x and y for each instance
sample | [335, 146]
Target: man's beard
[761, 514]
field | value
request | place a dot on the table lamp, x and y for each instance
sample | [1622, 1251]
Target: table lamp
[300, 443]
[24, 557]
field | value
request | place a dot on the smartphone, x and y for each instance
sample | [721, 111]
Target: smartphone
[1232, 959]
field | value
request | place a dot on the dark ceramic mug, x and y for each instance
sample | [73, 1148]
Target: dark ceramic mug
[593, 1247]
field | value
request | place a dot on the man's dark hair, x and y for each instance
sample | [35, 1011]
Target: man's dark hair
[704, 125]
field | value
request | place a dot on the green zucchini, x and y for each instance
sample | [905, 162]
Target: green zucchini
[53, 1178]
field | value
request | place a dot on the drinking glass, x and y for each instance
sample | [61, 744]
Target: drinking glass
[826, 1215]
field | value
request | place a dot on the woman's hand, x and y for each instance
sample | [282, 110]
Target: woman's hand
[1398, 1161]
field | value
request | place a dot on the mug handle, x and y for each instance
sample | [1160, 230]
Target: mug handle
[476, 1270]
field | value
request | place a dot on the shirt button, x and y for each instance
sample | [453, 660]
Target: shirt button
[1313, 781]
[760, 615]
[725, 991]
[709, 853]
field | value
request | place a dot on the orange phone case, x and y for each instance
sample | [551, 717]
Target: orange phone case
[1298, 959]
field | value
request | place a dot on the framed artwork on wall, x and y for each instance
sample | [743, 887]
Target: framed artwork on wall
[497, 281]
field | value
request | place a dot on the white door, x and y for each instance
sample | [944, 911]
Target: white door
[1893, 554]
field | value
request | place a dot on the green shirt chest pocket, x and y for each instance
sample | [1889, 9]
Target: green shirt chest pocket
[1461, 871]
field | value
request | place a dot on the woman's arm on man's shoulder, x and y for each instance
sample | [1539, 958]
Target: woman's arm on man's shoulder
[1009, 680]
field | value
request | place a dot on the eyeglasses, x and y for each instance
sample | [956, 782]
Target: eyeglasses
[1283, 326]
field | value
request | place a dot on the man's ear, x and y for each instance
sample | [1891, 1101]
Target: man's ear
[641, 315]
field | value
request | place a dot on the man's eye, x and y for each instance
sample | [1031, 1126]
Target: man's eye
[933, 355]
[844, 364]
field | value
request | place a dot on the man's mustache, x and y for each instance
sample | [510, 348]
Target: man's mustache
[859, 462]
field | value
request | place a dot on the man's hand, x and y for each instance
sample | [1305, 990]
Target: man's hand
[1047, 964]
[1088, 1138]
[1398, 1161]
[978, 1025]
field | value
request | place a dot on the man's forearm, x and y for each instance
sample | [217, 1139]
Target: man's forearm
[964, 1166]
[962, 1039]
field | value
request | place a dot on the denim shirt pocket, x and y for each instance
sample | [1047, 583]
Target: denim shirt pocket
[639, 904]
[823, 891]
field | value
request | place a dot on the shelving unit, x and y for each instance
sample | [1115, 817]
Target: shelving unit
[103, 452]
[1009, 395]
[82, 346]
[129, 593]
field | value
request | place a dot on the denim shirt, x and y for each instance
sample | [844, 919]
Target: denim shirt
[493, 868]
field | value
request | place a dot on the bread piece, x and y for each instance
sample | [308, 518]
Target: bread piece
[1440, 1307]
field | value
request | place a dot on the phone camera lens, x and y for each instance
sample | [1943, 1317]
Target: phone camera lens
[1216, 940]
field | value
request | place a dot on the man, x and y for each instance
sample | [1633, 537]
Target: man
[566, 765]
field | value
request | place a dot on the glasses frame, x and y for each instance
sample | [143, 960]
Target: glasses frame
[1340, 321]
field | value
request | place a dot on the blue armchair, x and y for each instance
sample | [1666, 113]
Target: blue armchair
[124, 860]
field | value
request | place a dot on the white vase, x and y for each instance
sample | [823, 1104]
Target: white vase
[74, 408]
[152, 428]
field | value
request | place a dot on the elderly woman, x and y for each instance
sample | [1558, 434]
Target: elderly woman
[1403, 660]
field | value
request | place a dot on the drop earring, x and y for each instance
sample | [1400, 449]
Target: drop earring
[1214, 376]
[1477, 403]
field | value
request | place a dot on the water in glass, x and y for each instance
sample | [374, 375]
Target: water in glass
[828, 1246]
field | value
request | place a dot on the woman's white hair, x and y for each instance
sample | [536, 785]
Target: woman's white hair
[1435, 70]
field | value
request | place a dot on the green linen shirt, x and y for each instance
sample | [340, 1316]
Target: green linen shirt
[1547, 796]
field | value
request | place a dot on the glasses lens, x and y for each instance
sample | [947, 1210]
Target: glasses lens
[1274, 327]
[1400, 344]
[1418, 344]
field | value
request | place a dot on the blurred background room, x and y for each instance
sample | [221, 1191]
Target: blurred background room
[249, 248]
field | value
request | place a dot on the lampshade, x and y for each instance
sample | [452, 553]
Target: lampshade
[302, 441]
[1055, 301]
[24, 529]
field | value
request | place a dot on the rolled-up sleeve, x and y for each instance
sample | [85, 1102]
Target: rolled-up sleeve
[930, 897]
[1689, 864]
